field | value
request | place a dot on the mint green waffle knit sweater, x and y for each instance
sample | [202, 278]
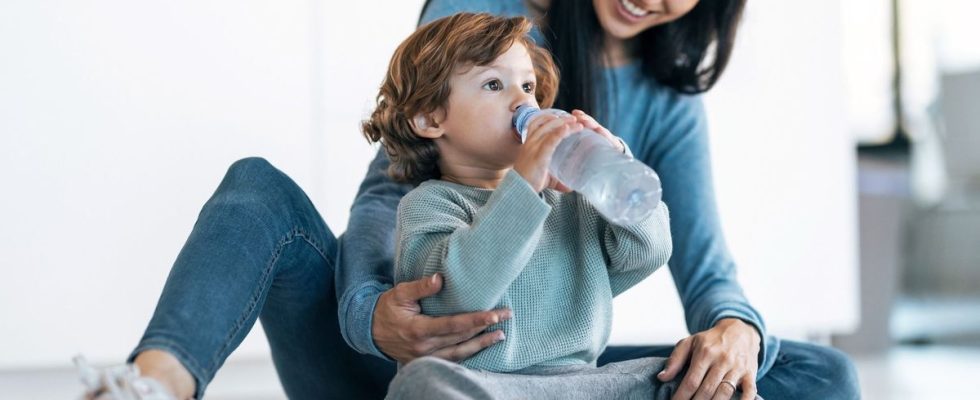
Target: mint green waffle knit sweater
[549, 257]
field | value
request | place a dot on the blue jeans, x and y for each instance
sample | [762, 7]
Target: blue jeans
[260, 249]
[801, 371]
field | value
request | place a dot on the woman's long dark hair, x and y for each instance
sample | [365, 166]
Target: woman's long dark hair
[688, 54]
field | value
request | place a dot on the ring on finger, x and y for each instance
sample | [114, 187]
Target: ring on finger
[730, 383]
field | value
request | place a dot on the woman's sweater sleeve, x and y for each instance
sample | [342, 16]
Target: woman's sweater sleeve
[435, 9]
[702, 268]
[365, 255]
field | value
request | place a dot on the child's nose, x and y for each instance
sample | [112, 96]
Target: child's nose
[521, 99]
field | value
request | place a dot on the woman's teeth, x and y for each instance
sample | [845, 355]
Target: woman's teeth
[633, 9]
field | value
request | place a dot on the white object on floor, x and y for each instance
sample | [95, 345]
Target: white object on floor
[118, 382]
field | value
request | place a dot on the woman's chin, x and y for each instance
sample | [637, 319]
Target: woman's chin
[624, 32]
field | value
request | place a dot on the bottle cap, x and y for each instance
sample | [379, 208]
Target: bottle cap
[522, 118]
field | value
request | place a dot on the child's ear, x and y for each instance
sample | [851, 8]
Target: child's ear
[425, 126]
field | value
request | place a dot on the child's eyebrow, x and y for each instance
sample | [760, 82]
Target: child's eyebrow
[482, 69]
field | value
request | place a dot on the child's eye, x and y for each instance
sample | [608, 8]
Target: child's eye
[528, 87]
[493, 85]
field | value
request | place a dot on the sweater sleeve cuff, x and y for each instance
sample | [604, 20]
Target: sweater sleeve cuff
[358, 308]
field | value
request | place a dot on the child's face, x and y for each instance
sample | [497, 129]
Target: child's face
[482, 101]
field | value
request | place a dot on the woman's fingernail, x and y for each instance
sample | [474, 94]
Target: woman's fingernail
[501, 336]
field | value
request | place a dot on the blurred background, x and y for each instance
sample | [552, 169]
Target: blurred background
[845, 140]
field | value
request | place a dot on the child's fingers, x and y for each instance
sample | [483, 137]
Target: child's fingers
[591, 123]
[585, 119]
[547, 141]
[544, 131]
[543, 120]
[557, 185]
[537, 122]
[536, 153]
[550, 143]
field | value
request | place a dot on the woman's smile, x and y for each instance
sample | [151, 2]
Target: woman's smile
[632, 12]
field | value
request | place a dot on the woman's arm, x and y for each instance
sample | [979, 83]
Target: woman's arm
[477, 259]
[363, 267]
[701, 265]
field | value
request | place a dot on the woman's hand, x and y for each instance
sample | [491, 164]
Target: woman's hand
[401, 331]
[587, 121]
[543, 136]
[727, 352]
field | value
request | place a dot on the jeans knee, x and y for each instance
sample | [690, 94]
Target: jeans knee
[842, 371]
[834, 374]
[252, 169]
[255, 180]
[253, 188]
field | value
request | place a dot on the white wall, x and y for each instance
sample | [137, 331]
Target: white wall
[118, 119]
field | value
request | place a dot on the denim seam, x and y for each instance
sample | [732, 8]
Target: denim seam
[301, 233]
[288, 238]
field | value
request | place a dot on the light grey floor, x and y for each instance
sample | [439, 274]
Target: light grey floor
[932, 372]
[244, 380]
[903, 373]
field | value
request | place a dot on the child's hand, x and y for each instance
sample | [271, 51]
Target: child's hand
[543, 136]
[587, 121]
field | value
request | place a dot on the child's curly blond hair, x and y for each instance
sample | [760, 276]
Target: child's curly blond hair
[418, 83]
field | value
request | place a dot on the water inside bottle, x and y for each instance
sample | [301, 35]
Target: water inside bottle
[624, 197]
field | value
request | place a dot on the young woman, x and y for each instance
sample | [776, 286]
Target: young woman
[261, 250]
[638, 65]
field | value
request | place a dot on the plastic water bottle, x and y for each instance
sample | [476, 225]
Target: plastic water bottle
[623, 189]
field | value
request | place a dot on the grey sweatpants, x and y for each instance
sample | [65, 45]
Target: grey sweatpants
[436, 379]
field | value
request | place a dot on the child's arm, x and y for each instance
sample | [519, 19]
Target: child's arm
[636, 251]
[479, 259]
